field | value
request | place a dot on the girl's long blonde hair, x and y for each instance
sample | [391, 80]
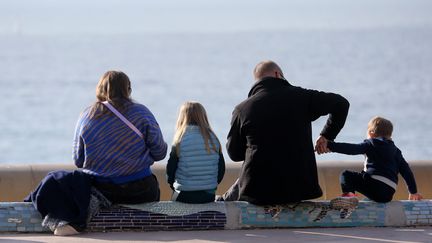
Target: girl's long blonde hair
[193, 113]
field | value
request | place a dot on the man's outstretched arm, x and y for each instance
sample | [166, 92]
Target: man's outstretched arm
[335, 106]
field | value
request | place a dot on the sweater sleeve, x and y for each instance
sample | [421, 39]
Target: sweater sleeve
[154, 139]
[171, 167]
[348, 148]
[407, 174]
[236, 144]
[221, 167]
[334, 105]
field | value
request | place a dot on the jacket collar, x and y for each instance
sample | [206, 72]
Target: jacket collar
[267, 83]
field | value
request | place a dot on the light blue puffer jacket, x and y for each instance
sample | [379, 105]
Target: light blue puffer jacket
[197, 169]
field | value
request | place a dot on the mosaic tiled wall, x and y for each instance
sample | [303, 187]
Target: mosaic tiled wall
[160, 216]
[19, 217]
[419, 213]
[22, 217]
[312, 214]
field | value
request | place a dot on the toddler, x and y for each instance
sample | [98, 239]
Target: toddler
[384, 161]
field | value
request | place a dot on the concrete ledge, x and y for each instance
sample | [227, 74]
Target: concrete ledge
[167, 215]
[17, 181]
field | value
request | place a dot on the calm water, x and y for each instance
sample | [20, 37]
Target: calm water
[47, 80]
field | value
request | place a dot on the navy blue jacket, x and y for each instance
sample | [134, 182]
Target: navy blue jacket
[64, 195]
[383, 158]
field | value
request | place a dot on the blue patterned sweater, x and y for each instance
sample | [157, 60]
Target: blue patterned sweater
[108, 149]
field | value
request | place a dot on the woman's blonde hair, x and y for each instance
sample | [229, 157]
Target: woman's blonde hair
[381, 127]
[193, 113]
[114, 87]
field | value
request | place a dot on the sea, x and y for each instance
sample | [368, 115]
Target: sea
[46, 80]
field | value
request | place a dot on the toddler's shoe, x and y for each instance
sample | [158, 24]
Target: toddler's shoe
[346, 201]
[349, 194]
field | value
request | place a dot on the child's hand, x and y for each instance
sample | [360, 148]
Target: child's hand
[415, 197]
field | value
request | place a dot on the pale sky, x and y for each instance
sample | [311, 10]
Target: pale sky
[161, 16]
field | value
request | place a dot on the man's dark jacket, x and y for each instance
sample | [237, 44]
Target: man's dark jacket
[271, 132]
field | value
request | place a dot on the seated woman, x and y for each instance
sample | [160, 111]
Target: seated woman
[117, 140]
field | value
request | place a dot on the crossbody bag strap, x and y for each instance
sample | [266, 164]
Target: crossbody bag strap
[126, 121]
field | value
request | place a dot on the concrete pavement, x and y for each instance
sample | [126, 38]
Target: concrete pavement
[355, 235]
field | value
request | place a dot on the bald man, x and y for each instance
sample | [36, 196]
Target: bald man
[271, 132]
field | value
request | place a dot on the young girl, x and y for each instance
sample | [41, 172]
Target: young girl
[384, 161]
[196, 165]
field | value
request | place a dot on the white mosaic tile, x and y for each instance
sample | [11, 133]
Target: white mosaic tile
[21, 229]
[411, 217]
[177, 208]
[423, 221]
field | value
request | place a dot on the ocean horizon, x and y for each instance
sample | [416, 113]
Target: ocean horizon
[377, 54]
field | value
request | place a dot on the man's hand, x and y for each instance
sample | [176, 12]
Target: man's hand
[415, 197]
[321, 145]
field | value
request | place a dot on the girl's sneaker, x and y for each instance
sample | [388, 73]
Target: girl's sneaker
[65, 230]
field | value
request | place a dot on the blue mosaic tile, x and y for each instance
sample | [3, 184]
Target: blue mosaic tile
[310, 214]
[417, 212]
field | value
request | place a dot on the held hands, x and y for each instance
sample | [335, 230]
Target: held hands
[415, 197]
[321, 145]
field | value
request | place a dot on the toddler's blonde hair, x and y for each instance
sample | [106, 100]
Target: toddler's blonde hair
[380, 127]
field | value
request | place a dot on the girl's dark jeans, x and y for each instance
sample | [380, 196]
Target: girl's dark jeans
[195, 197]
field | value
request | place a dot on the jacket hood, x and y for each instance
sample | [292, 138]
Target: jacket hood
[267, 83]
